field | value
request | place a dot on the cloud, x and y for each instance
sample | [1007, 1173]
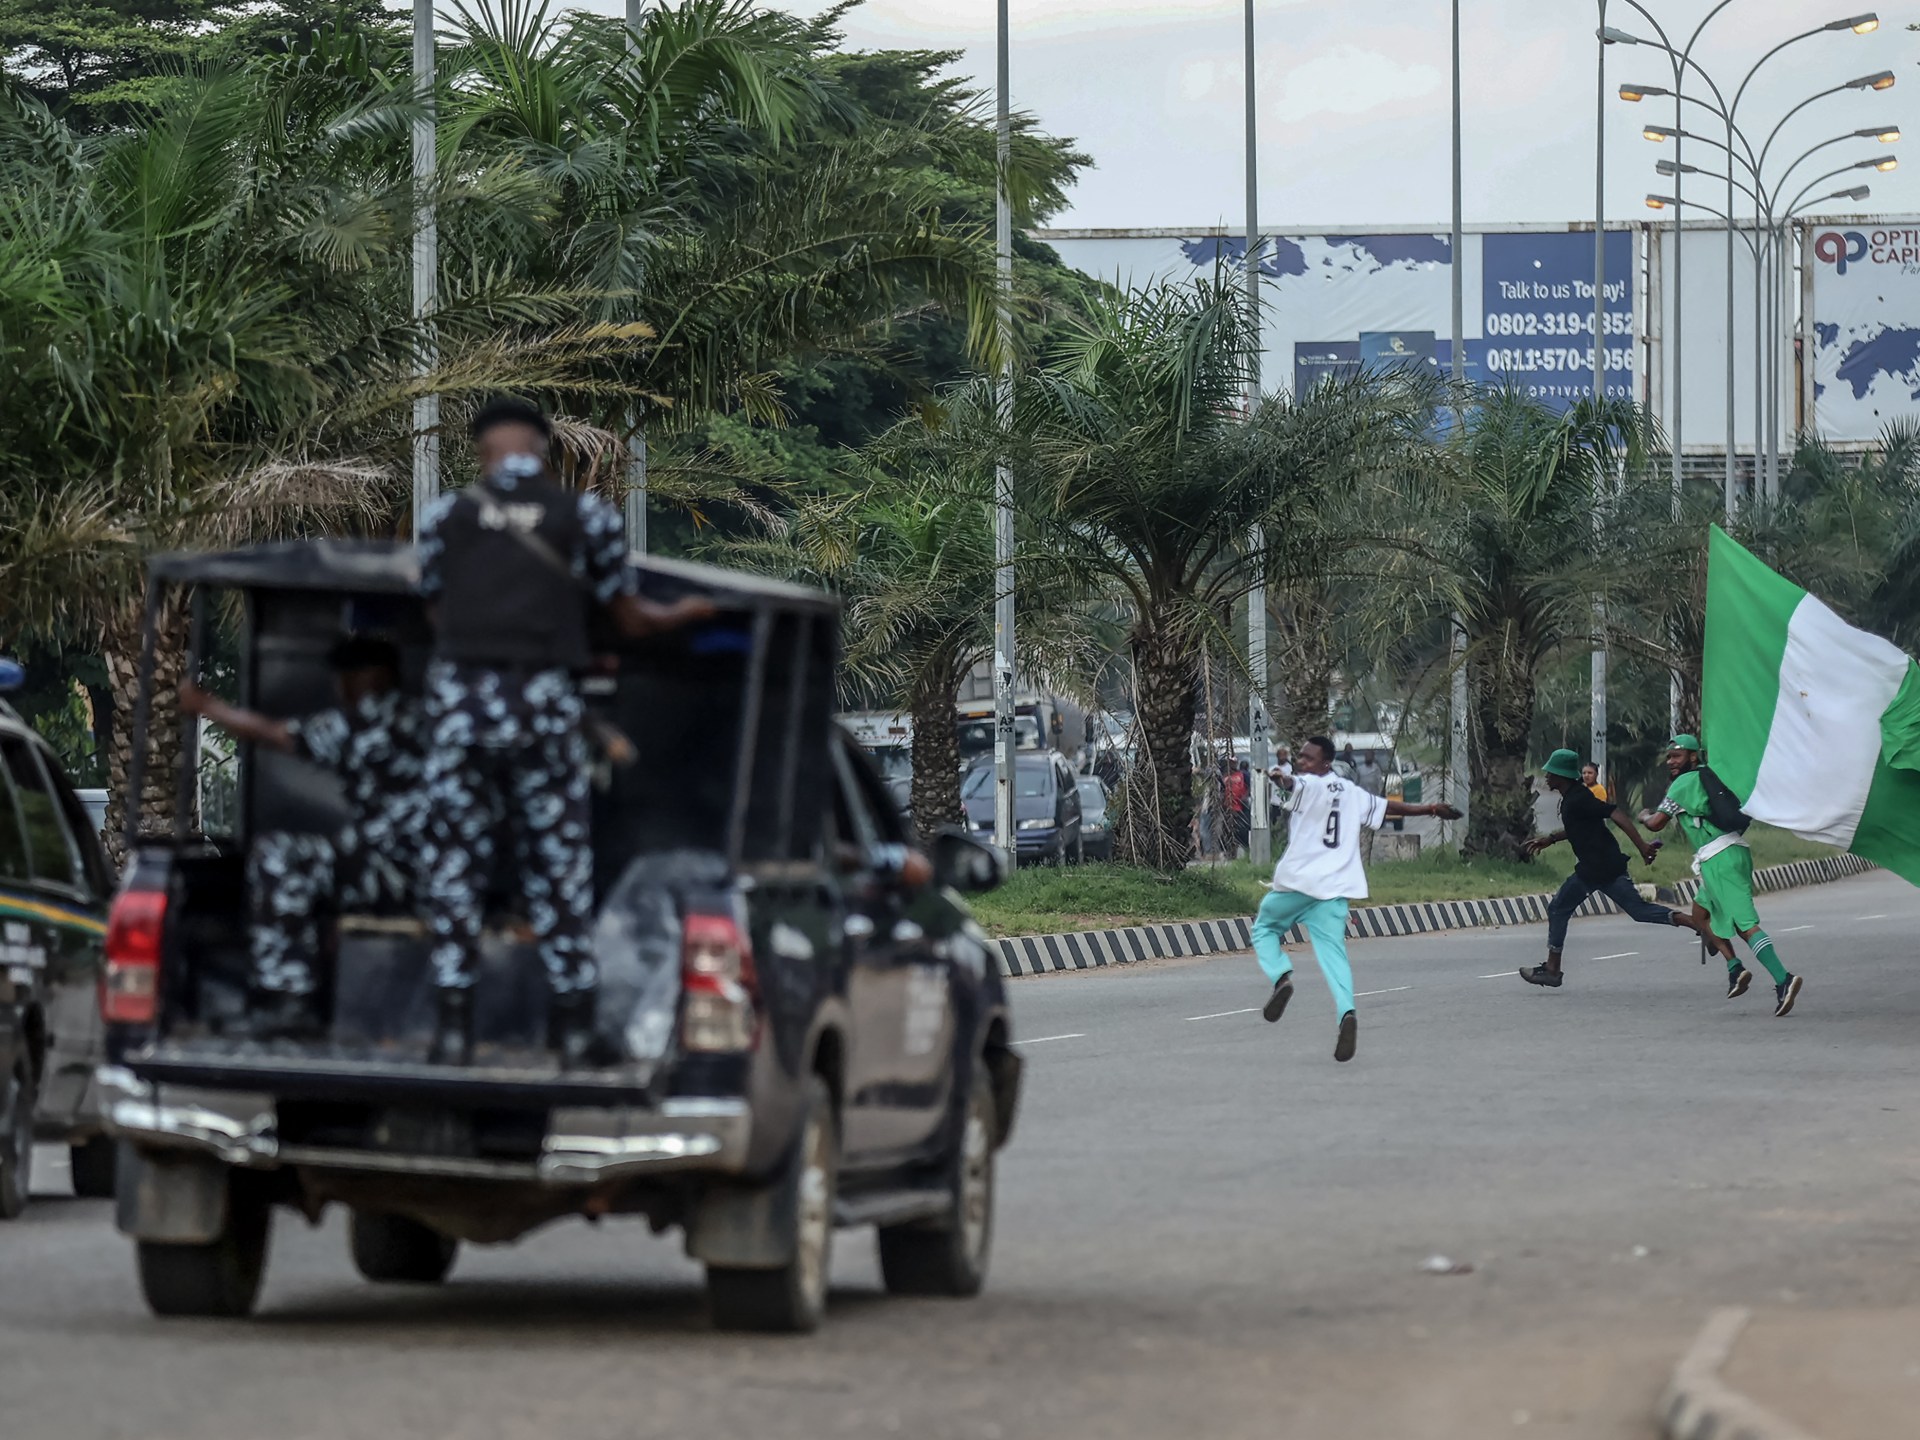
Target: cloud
[1346, 80]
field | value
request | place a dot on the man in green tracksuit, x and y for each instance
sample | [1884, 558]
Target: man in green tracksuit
[1725, 867]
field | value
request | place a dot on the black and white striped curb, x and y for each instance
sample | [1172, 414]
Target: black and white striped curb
[1093, 949]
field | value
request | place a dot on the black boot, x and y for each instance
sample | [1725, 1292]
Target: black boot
[453, 1027]
[570, 1028]
[283, 1015]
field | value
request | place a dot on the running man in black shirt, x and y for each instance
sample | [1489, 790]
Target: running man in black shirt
[1600, 868]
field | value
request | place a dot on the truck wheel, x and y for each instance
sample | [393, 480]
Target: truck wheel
[394, 1248]
[16, 1139]
[93, 1167]
[220, 1280]
[949, 1256]
[793, 1297]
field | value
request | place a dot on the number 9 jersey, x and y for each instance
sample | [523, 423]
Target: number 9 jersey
[1325, 815]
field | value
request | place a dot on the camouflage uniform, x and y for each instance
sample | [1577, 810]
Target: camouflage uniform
[507, 744]
[378, 751]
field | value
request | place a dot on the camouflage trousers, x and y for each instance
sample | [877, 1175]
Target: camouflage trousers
[291, 880]
[532, 794]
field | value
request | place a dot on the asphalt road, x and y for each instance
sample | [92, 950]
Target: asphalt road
[1206, 1229]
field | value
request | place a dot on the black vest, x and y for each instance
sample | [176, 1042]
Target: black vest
[502, 602]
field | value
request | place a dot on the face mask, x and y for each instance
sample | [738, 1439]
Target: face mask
[518, 467]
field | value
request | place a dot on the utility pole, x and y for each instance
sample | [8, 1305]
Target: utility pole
[1459, 767]
[1259, 725]
[426, 266]
[1003, 639]
[637, 436]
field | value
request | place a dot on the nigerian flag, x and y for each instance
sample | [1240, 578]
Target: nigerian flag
[1816, 723]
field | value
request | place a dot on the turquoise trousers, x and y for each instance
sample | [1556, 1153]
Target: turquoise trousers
[1326, 926]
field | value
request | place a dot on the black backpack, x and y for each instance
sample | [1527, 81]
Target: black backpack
[1723, 806]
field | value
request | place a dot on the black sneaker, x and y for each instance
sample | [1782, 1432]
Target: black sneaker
[1541, 975]
[1343, 1048]
[1738, 981]
[1276, 1005]
[1784, 994]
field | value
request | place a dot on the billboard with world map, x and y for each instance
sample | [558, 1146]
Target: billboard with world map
[1865, 323]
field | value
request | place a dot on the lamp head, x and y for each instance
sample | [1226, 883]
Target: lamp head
[1882, 80]
[1658, 202]
[1892, 162]
[1613, 35]
[1658, 134]
[1859, 24]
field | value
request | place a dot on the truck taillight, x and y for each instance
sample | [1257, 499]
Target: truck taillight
[130, 988]
[716, 972]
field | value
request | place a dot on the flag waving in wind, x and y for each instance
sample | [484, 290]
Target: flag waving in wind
[1815, 723]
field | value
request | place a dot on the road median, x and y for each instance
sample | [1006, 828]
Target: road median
[1177, 939]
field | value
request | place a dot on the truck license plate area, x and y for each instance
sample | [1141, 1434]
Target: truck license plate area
[423, 1132]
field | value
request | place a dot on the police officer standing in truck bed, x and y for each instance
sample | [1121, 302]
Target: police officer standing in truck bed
[515, 567]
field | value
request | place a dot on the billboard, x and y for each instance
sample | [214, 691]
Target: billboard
[1336, 302]
[1864, 280]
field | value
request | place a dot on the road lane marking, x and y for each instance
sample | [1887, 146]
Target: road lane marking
[1222, 1014]
[1791, 929]
[1364, 993]
[1500, 975]
[1623, 955]
[1043, 1039]
[1863, 917]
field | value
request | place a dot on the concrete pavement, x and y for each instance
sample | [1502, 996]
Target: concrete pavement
[1206, 1228]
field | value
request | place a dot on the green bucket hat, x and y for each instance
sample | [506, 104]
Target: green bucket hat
[1563, 763]
[1685, 742]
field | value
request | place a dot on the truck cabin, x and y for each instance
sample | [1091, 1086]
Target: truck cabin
[730, 721]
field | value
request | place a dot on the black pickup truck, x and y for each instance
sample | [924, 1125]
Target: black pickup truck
[798, 1037]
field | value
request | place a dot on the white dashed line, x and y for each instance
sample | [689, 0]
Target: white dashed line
[1791, 929]
[1043, 1039]
[1222, 1014]
[1623, 955]
[1500, 975]
[1863, 917]
[1364, 993]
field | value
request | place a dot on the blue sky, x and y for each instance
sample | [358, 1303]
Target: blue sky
[1354, 99]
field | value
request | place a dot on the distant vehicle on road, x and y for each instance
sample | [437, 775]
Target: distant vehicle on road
[55, 885]
[797, 1026]
[1046, 797]
[1096, 833]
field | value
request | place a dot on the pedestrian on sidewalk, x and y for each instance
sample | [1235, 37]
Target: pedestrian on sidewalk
[1710, 818]
[1600, 865]
[1319, 872]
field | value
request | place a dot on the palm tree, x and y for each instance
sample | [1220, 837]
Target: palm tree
[1532, 519]
[1141, 483]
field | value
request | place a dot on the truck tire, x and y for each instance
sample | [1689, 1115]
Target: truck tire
[219, 1280]
[93, 1167]
[792, 1298]
[948, 1256]
[394, 1248]
[16, 1139]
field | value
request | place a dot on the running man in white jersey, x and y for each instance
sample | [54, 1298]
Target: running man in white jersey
[1318, 874]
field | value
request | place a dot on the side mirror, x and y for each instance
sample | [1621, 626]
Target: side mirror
[963, 863]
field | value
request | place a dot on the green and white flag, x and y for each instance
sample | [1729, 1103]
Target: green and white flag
[1816, 723]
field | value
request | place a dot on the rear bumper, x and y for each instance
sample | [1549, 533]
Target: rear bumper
[584, 1145]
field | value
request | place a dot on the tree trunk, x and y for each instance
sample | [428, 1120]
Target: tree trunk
[120, 645]
[1159, 791]
[1500, 821]
[936, 752]
[1305, 664]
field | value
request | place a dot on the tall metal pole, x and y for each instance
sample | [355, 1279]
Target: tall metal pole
[637, 436]
[1259, 833]
[426, 266]
[1003, 639]
[1598, 744]
[1731, 499]
[1459, 769]
[1759, 341]
[1677, 383]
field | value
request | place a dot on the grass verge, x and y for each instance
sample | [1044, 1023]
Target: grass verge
[1044, 901]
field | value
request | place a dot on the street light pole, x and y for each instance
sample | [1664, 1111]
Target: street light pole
[1003, 638]
[637, 435]
[1460, 770]
[426, 267]
[1259, 832]
[1598, 737]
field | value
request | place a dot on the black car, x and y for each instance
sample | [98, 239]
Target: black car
[799, 1026]
[1096, 831]
[1046, 801]
[54, 888]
